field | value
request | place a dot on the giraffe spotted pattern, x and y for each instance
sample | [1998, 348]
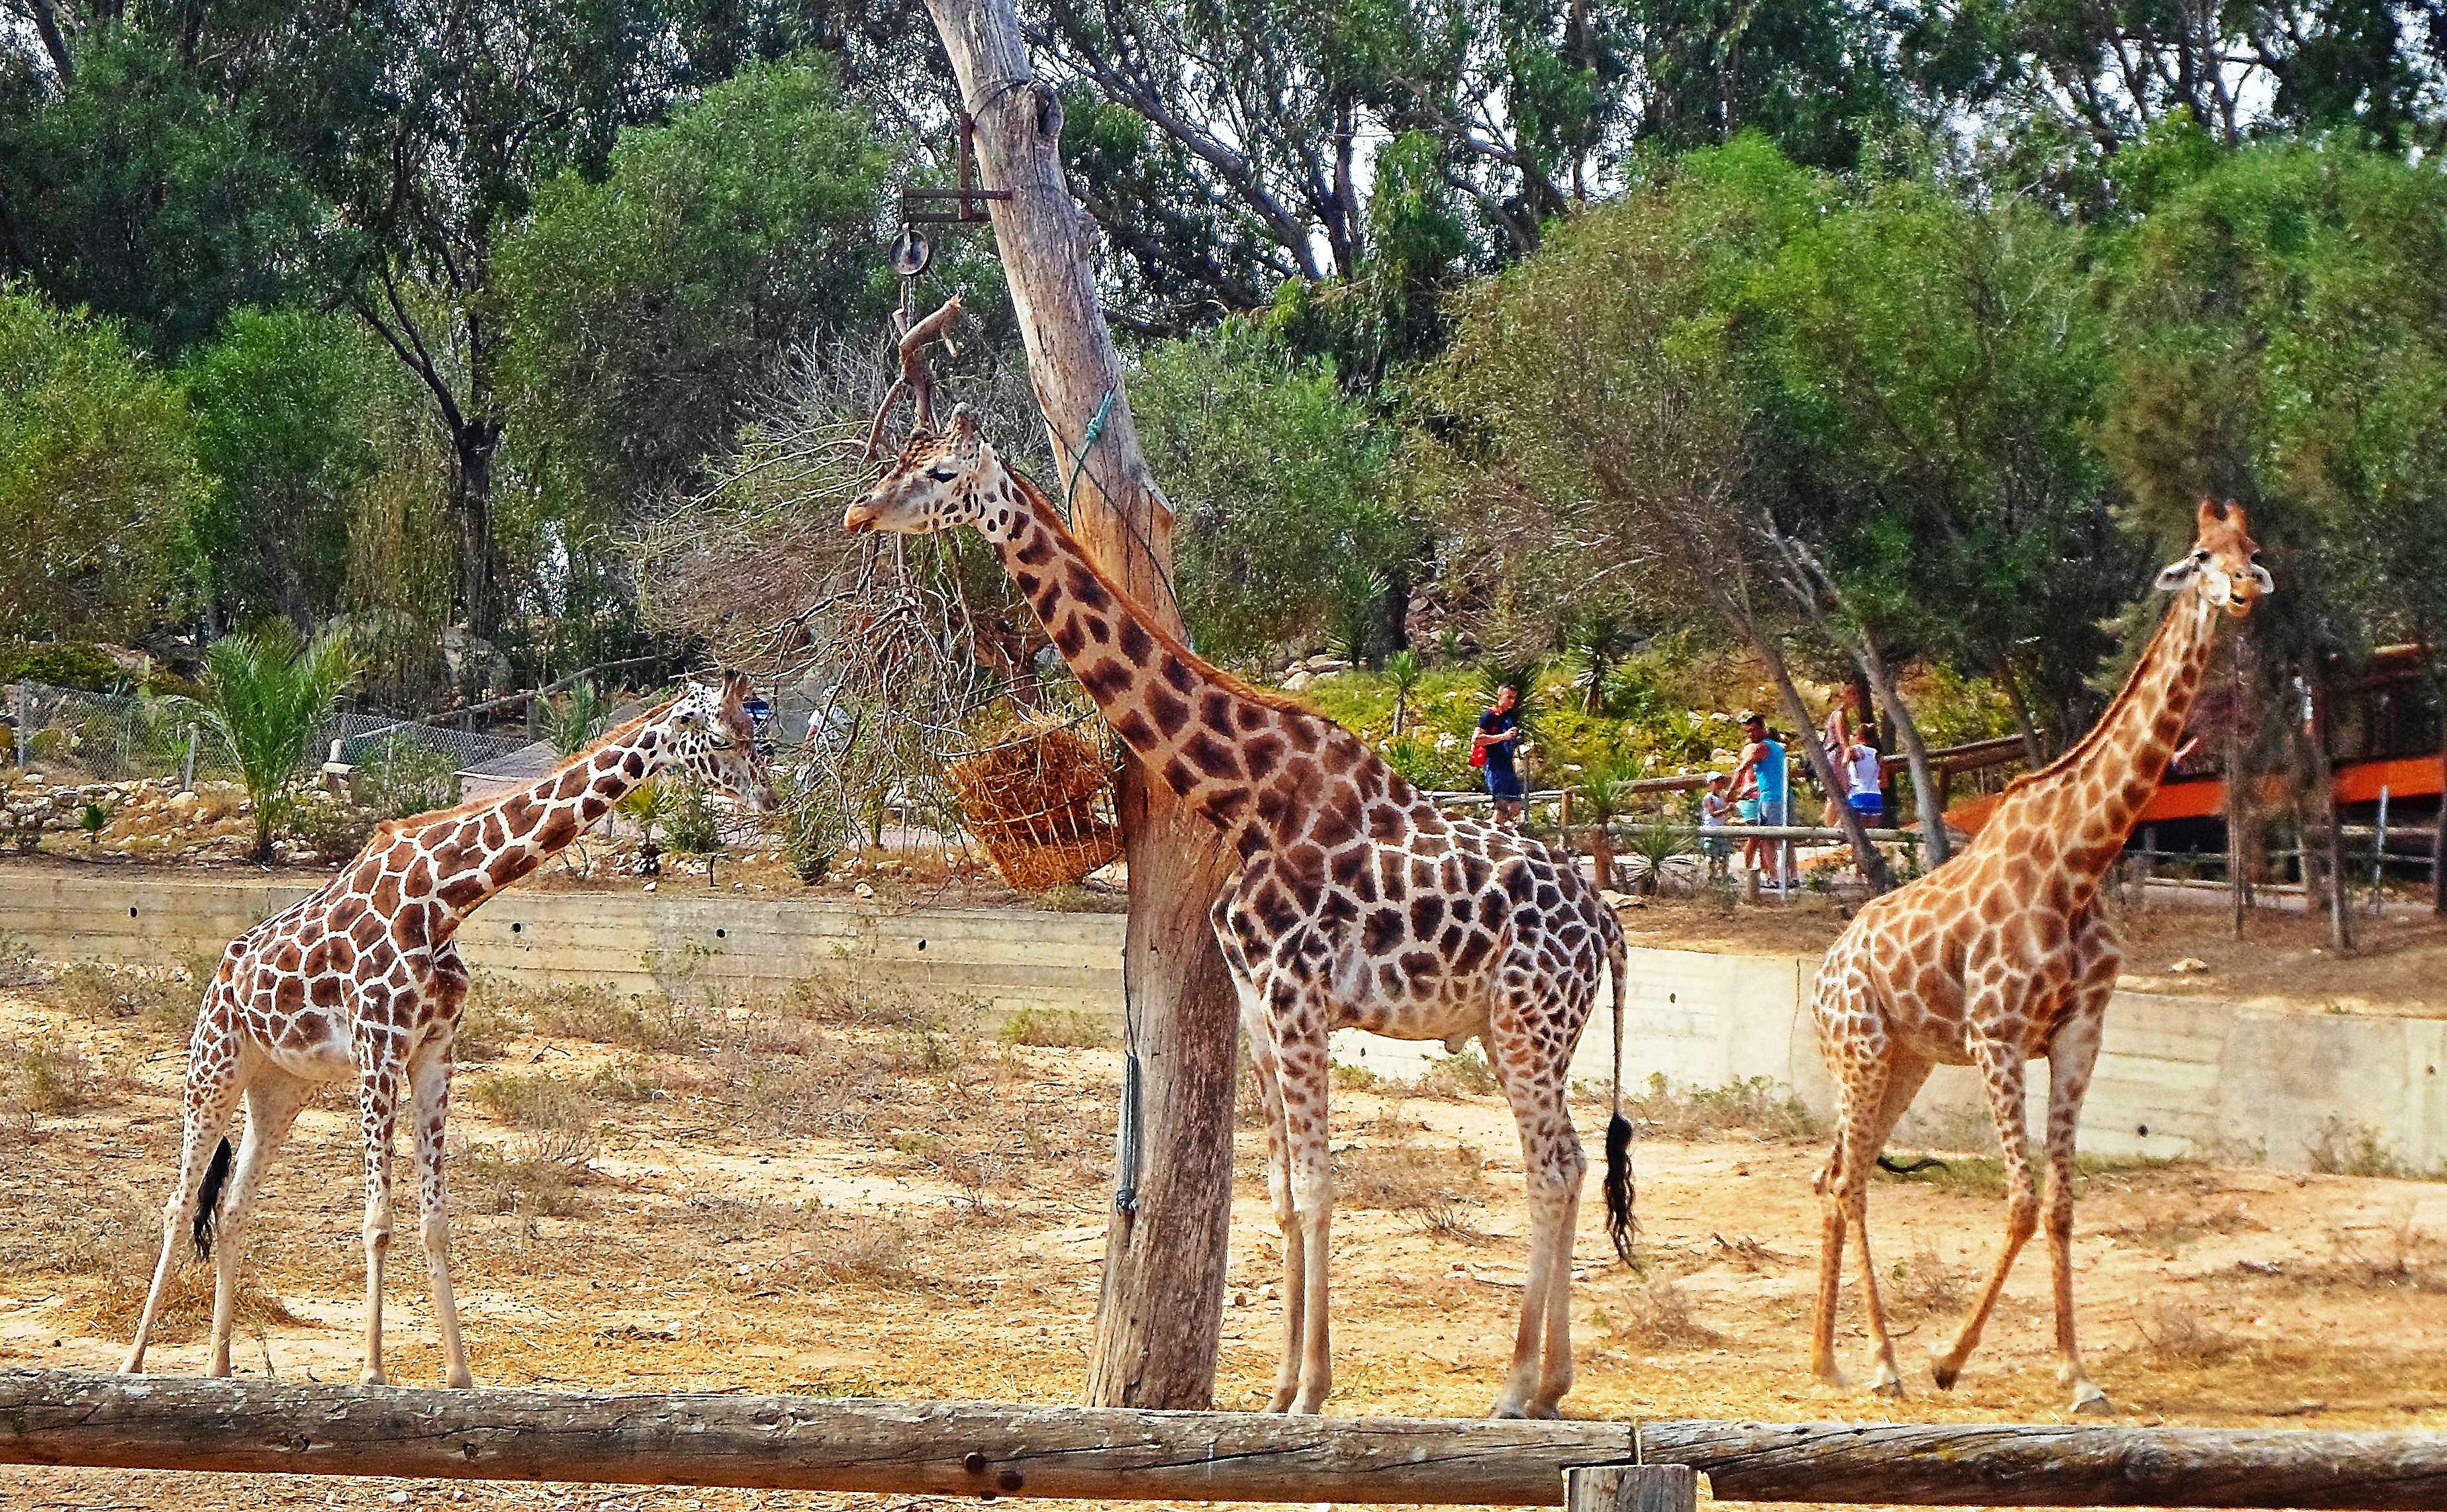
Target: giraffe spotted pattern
[1999, 957]
[361, 979]
[1357, 905]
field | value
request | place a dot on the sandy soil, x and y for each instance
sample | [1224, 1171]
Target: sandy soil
[839, 1194]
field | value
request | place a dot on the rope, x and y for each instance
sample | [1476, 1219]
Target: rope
[1087, 441]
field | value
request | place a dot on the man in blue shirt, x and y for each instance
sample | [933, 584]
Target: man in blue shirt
[1763, 764]
[1498, 739]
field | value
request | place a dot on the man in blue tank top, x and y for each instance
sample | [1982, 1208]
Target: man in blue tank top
[1763, 762]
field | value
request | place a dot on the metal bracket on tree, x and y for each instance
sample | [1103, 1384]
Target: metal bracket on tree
[968, 198]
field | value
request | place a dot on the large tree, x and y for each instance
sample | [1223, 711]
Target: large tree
[1159, 1320]
[97, 468]
[646, 308]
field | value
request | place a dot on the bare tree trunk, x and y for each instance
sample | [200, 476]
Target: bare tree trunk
[1159, 1320]
[2242, 816]
[47, 24]
[2033, 750]
[2314, 731]
[1925, 794]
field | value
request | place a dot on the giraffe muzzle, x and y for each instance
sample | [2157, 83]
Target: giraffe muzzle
[859, 518]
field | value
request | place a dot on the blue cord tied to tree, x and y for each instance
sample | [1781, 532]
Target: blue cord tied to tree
[1087, 443]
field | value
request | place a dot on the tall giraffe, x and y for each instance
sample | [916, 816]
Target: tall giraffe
[1357, 905]
[2001, 955]
[363, 980]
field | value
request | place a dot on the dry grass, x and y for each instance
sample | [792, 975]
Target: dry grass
[1435, 1191]
[2392, 1256]
[1754, 1107]
[2177, 1225]
[1658, 1313]
[1926, 1286]
[1055, 1029]
[47, 1076]
[2173, 1332]
[537, 1175]
[1456, 1078]
[866, 1252]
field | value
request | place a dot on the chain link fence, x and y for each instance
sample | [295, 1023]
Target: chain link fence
[112, 738]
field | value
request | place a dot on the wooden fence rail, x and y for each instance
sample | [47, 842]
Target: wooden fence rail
[975, 1448]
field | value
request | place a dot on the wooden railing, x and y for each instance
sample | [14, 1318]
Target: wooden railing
[987, 1449]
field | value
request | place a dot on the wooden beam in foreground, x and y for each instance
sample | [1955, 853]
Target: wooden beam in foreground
[978, 1448]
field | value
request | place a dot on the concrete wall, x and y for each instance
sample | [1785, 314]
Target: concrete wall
[2177, 1075]
[672, 939]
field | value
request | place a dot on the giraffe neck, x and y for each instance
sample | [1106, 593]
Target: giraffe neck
[1256, 765]
[479, 849]
[2083, 805]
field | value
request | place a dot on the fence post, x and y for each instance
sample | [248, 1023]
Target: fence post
[187, 763]
[2149, 865]
[2379, 854]
[1631, 1488]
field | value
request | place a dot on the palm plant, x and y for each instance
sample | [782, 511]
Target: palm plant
[572, 720]
[1655, 845]
[646, 805]
[1595, 642]
[93, 819]
[1403, 674]
[1351, 629]
[1603, 801]
[266, 692]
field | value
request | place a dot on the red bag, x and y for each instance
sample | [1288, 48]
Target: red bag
[1477, 753]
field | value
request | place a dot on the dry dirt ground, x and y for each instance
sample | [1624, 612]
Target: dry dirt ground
[847, 1193]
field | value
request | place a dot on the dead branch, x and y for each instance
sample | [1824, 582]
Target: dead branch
[915, 378]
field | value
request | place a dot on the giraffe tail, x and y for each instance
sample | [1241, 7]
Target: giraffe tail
[1618, 1139]
[208, 1200]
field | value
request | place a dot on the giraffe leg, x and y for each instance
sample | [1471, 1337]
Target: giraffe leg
[1266, 1067]
[273, 1100]
[1853, 1042]
[1300, 1031]
[216, 1068]
[431, 1078]
[2071, 1054]
[1555, 1165]
[2001, 1075]
[1904, 1080]
[378, 1116]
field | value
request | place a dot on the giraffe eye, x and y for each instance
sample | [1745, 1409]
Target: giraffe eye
[942, 475]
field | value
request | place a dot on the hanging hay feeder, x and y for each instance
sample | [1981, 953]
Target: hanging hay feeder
[1040, 800]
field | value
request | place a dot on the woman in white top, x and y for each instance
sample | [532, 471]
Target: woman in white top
[1861, 777]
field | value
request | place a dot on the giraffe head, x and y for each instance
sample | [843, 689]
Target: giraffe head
[939, 483]
[2223, 567]
[707, 730]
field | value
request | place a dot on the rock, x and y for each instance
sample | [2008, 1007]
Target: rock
[2190, 963]
[1299, 678]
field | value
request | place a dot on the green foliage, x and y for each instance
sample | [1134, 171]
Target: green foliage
[572, 720]
[1277, 482]
[281, 402]
[266, 692]
[64, 664]
[93, 819]
[648, 803]
[649, 303]
[692, 827]
[2277, 342]
[814, 827]
[97, 462]
[399, 777]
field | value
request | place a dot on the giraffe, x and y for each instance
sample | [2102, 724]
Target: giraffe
[2001, 956]
[1357, 905]
[361, 979]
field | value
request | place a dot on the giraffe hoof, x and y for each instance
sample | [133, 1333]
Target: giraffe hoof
[1945, 1376]
[2092, 1402]
[373, 1378]
[1889, 1382]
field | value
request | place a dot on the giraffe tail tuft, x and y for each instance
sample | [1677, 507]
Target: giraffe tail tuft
[1618, 1139]
[208, 1200]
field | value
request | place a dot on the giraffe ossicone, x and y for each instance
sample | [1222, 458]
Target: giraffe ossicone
[2001, 956]
[361, 980]
[1357, 905]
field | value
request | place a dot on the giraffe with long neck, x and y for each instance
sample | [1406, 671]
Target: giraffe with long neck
[1358, 904]
[362, 980]
[2001, 956]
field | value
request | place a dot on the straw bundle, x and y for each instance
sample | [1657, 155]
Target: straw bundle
[1039, 804]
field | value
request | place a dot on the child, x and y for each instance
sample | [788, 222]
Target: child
[1714, 813]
